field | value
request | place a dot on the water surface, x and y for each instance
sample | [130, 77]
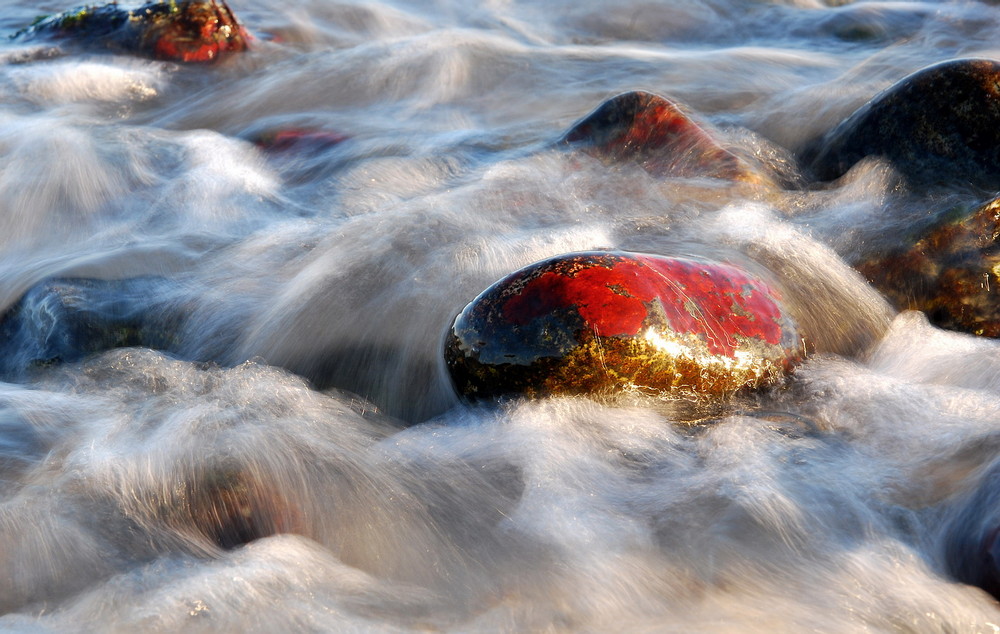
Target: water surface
[304, 402]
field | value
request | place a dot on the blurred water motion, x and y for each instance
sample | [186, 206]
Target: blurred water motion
[293, 457]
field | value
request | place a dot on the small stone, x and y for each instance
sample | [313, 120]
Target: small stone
[654, 132]
[298, 140]
[191, 31]
[951, 273]
[938, 126]
[608, 322]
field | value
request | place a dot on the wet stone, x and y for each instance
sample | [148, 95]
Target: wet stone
[657, 134]
[193, 31]
[937, 127]
[230, 506]
[64, 320]
[604, 323]
[951, 273]
[298, 140]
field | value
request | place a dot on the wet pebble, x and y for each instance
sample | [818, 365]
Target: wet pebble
[609, 322]
[939, 126]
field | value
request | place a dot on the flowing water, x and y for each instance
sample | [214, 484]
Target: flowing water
[295, 459]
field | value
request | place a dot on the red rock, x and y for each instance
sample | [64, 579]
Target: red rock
[606, 322]
[191, 31]
[199, 32]
[657, 134]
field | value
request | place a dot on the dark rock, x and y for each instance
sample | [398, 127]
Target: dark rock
[952, 273]
[191, 31]
[607, 322]
[654, 132]
[971, 537]
[938, 126]
[64, 320]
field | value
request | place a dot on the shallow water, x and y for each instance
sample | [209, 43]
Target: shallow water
[304, 402]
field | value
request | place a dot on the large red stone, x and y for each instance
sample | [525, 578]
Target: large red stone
[607, 322]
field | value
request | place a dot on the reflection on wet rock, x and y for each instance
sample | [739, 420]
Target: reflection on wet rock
[605, 322]
[938, 126]
[654, 132]
[64, 320]
[192, 31]
[951, 273]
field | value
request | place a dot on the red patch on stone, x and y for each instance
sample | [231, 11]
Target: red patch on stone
[656, 132]
[718, 301]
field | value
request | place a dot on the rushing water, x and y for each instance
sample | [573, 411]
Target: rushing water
[304, 400]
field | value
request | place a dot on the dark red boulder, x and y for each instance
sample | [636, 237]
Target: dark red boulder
[657, 134]
[607, 322]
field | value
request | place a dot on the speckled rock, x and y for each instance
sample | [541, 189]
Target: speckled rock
[607, 322]
[191, 31]
[938, 126]
[952, 273]
[657, 134]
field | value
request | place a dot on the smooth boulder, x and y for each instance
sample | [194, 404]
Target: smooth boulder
[939, 126]
[610, 322]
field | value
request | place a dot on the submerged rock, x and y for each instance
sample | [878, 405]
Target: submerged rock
[298, 140]
[938, 126]
[191, 31]
[64, 320]
[607, 322]
[230, 507]
[654, 132]
[971, 539]
[951, 273]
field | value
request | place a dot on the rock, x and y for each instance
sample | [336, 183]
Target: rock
[64, 320]
[608, 322]
[654, 132]
[970, 541]
[192, 31]
[229, 506]
[951, 273]
[938, 126]
[298, 140]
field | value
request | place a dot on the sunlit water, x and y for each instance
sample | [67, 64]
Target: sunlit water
[307, 383]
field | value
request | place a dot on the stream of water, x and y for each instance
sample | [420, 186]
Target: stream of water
[295, 458]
